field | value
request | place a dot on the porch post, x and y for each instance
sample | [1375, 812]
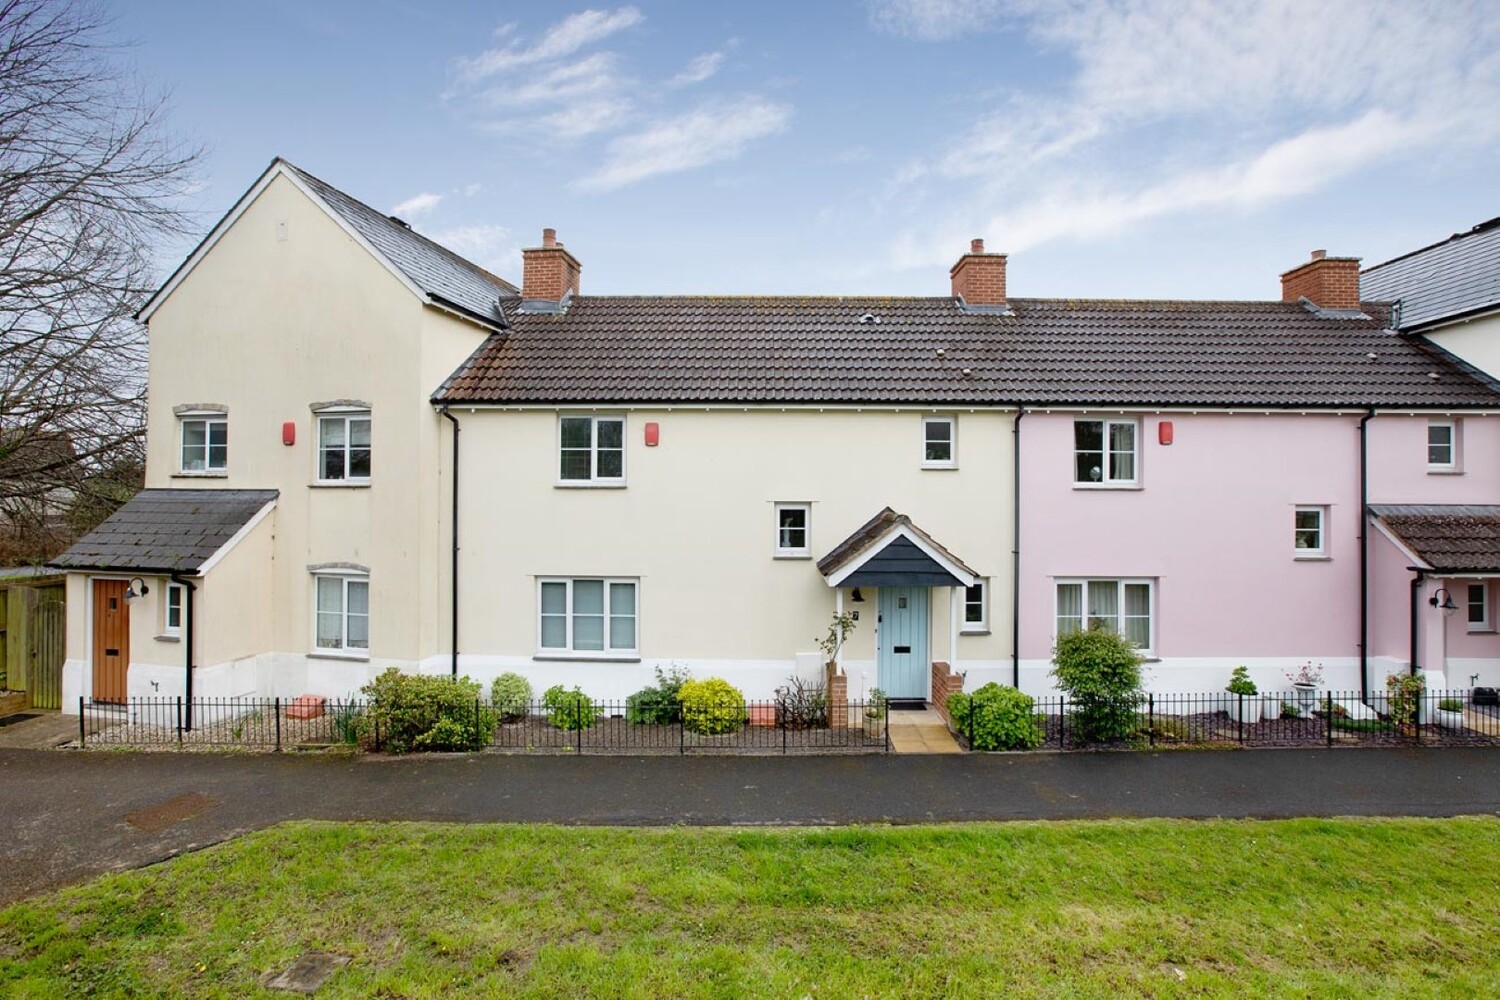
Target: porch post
[838, 609]
[953, 605]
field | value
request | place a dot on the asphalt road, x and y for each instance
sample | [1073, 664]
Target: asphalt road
[67, 816]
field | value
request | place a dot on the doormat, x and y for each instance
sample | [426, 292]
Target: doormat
[906, 705]
[11, 720]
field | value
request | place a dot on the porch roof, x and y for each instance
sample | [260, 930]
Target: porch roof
[890, 551]
[167, 531]
[1445, 538]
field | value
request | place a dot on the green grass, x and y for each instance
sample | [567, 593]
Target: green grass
[1306, 908]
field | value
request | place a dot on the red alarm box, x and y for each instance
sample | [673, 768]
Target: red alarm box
[289, 432]
[1164, 432]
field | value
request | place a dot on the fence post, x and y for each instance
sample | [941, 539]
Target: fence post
[179, 718]
[681, 731]
[1328, 715]
[1062, 722]
[578, 731]
[1240, 715]
[781, 718]
[476, 719]
[83, 732]
[886, 718]
[276, 707]
[1151, 718]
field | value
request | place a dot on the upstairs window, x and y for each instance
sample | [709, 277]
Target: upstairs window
[793, 530]
[939, 443]
[344, 446]
[1309, 532]
[1104, 453]
[1442, 446]
[205, 444]
[592, 450]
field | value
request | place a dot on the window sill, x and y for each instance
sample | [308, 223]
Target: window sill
[973, 631]
[1482, 630]
[1312, 558]
[585, 658]
[333, 654]
[566, 484]
[340, 484]
[200, 475]
[167, 638]
[792, 555]
[940, 467]
[1091, 487]
[1445, 472]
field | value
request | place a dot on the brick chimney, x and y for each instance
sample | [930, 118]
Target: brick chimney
[548, 272]
[979, 277]
[1326, 282]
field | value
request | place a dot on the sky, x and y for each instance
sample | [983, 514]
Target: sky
[1136, 149]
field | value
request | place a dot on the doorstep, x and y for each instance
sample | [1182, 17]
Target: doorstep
[920, 732]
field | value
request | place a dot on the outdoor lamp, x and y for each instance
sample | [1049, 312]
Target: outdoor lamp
[137, 588]
[1447, 600]
[857, 597]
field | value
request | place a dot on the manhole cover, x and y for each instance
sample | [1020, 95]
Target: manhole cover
[11, 720]
[174, 810]
[308, 972]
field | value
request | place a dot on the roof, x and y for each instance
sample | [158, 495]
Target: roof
[881, 532]
[931, 351]
[167, 531]
[436, 272]
[1457, 277]
[1449, 538]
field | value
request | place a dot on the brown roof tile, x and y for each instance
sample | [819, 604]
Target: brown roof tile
[1449, 538]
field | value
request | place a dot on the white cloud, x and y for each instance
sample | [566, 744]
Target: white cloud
[470, 190]
[417, 204]
[491, 247]
[700, 69]
[710, 134]
[934, 20]
[561, 40]
[570, 81]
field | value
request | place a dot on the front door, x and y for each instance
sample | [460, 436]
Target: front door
[111, 640]
[901, 665]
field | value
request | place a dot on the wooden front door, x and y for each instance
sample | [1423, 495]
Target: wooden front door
[111, 640]
[901, 666]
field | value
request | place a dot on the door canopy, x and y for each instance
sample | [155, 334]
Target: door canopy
[891, 551]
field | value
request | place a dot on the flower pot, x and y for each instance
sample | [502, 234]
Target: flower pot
[1307, 697]
[1244, 708]
[874, 727]
[1270, 707]
[1447, 719]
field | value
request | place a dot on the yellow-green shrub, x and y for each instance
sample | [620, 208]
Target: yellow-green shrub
[712, 707]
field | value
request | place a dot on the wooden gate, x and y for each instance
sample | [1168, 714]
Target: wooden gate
[33, 633]
[49, 630]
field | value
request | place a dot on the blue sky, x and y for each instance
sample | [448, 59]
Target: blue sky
[1118, 149]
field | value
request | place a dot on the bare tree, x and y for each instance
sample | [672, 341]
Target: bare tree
[90, 182]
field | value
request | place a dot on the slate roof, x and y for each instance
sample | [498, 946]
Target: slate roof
[767, 350]
[165, 531]
[1449, 538]
[435, 269]
[1459, 276]
[871, 532]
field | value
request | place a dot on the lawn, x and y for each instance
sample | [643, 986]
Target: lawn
[1314, 908]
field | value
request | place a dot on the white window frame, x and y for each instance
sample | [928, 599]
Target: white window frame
[1484, 624]
[170, 591]
[343, 649]
[1152, 615]
[345, 414]
[209, 420]
[1108, 480]
[951, 462]
[981, 625]
[1321, 551]
[608, 652]
[1453, 427]
[594, 479]
[794, 552]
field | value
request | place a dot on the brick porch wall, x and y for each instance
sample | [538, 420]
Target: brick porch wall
[944, 683]
[838, 698]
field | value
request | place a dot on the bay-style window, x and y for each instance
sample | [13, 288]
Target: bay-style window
[205, 443]
[585, 616]
[1122, 606]
[342, 613]
[1105, 453]
[592, 451]
[344, 446]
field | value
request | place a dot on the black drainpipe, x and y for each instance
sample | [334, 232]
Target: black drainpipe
[189, 614]
[1416, 602]
[454, 586]
[1015, 562]
[1364, 554]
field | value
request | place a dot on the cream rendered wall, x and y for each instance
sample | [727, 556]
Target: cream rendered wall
[1477, 341]
[695, 523]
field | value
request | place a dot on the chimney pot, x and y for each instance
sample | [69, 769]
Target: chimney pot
[976, 246]
[549, 237]
[1319, 254]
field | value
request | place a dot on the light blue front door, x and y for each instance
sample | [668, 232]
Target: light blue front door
[901, 665]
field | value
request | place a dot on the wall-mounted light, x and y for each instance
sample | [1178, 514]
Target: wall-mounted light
[1445, 603]
[136, 588]
[857, 597]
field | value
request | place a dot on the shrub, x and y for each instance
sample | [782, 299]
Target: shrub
[877, 705]
[1405, 692]
[510, 694]
[1240, 682]
[416, 712]
[1101, 674]
[712, 707]
[569, 709]
[658, 705]
[1290, 711]
[1451, 705]
[347, 722]
[800, 705]
[996, 718]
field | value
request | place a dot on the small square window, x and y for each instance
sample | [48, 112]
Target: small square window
[1442, 445]
[793, 530]
[591, 450]
[205, 444]
[976, 618]
[1309, 530]
[939, 442]
[344, 447]
[1104, 453]
[1479, 607]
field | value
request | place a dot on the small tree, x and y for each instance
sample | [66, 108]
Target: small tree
[840, 627]
[1100, 671]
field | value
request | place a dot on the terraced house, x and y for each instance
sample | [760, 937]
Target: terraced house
[365, 451]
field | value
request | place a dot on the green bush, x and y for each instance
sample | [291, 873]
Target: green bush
[1451, 705]
[1240, 682]
[569, 709]
[996, 718]
[510, 694]
[419, 712]
[1405, 696]
[658, 705]
[712, 707]
[1100, 672]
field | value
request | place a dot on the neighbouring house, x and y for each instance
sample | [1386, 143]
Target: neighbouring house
[1439, 562]
[364, 451]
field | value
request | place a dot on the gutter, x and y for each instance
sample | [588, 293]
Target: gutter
[453, 669]
[190, 614]
[1364, 553]
[1015, 552]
